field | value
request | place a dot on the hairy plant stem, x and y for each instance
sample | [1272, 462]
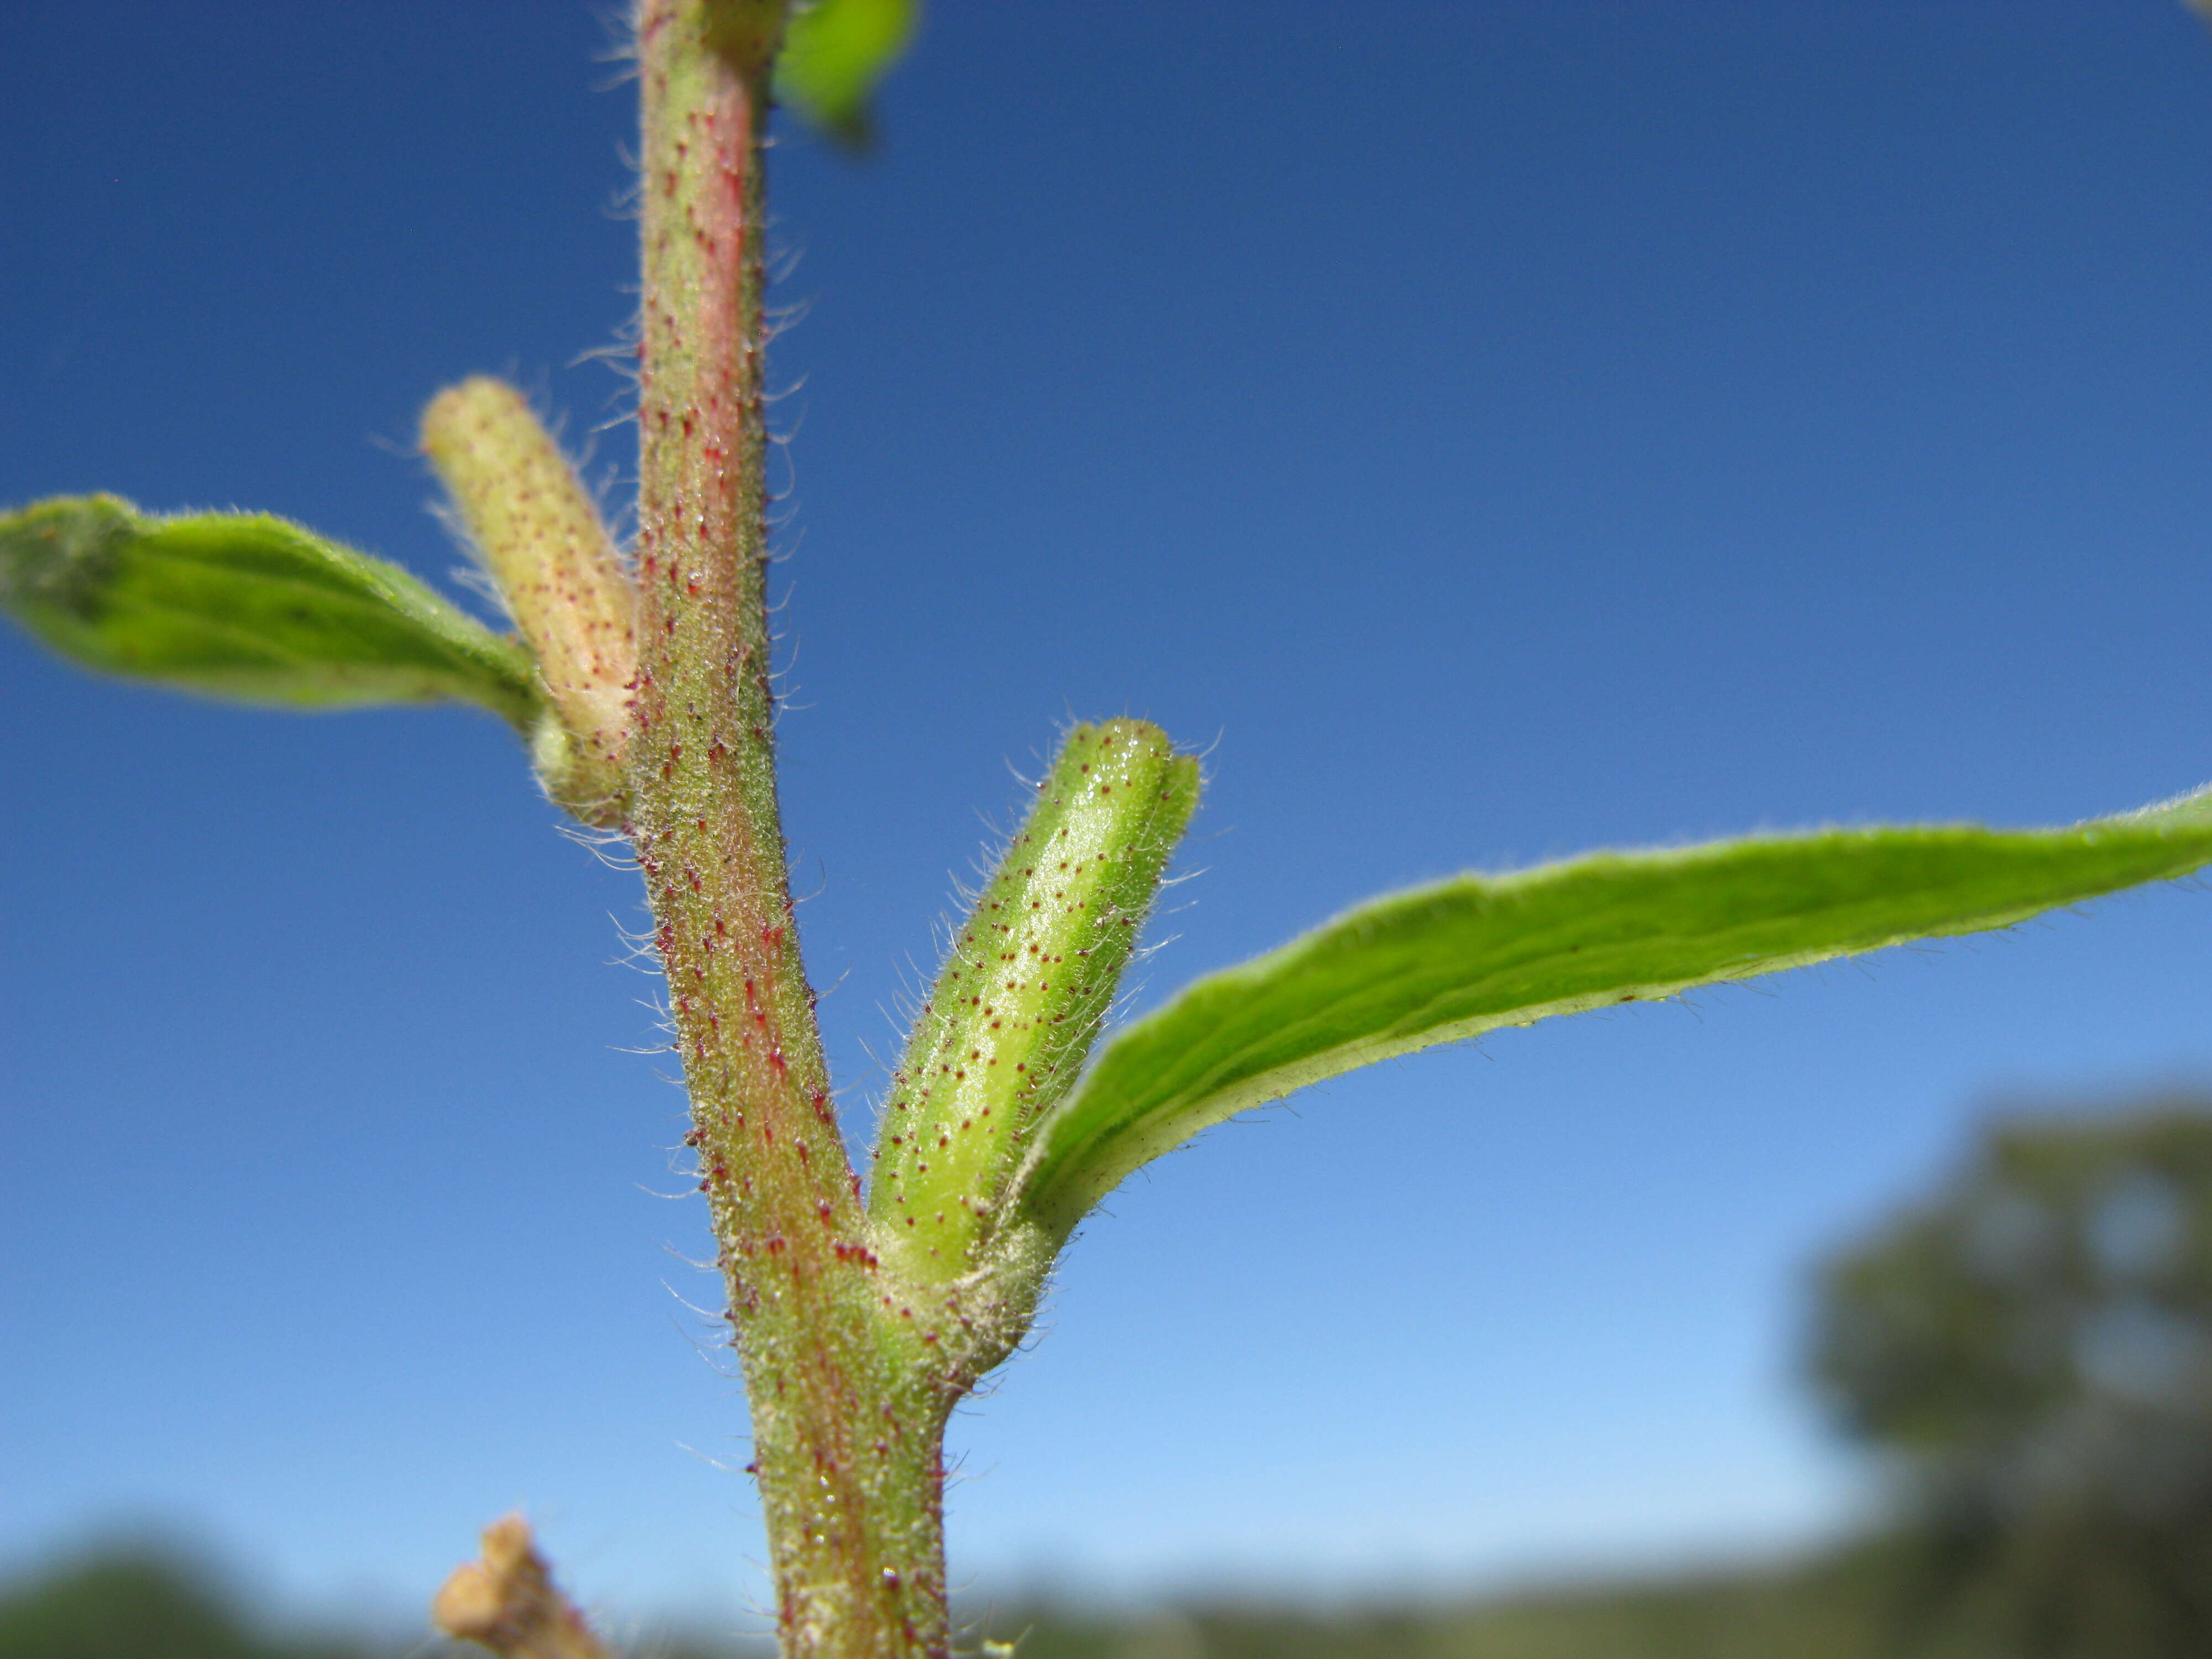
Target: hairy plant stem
[848, 1388]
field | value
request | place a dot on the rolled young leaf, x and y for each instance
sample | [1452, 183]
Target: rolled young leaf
[1025, 984]
[247, 606]
[538, 532]
[1443, 962]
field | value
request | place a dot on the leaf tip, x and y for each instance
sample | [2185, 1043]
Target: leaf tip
[56, 557]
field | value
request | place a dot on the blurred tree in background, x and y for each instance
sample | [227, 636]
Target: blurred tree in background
[2032, 1350]
[133, 1603]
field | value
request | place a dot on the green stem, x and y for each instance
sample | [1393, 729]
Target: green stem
[849, 1397]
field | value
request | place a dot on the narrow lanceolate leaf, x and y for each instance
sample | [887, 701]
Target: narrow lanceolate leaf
[246, 607]
[1030, 974]
[834, 53]
[1466, 956]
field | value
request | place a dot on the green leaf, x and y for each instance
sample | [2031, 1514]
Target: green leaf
[835, 51]
[1466, 956]
[246, 607]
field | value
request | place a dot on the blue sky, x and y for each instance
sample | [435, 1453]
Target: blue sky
[1488, 432]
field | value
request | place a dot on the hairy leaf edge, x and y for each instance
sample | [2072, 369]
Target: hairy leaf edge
[1064, 1177]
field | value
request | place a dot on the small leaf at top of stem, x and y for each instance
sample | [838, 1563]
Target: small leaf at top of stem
[835, 53]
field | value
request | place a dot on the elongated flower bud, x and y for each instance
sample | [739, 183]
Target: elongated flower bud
[538, 532]
[1029, 976]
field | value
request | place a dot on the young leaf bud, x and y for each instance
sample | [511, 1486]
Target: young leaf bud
[1029, 976]
[537, 534]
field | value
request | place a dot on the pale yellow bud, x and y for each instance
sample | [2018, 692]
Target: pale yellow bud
[538, 534]
[507, 1602]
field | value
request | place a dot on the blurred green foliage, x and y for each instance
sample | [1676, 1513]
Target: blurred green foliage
[2040, 1326]
[1842, 1607]
[835, 53]
[1827, 1611]
[139, 1609]
[2031, 1351]
[137, 1604]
